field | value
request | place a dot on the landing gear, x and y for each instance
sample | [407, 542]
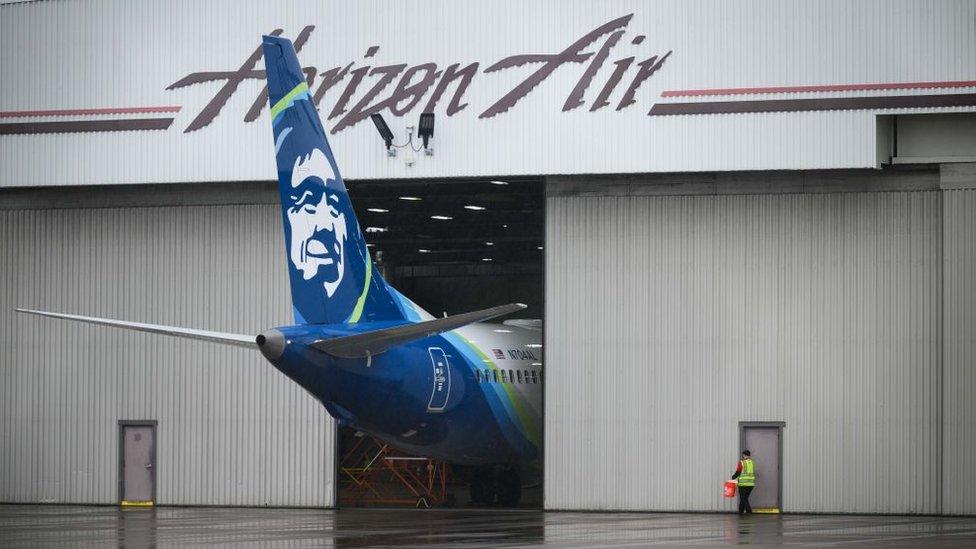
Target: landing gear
[508, 487]
[482, 494]
[496, 485]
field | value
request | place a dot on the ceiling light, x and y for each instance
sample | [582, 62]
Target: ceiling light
[376, 229]
[377, 210]
[539, 248]
[475, 208]
[504, 226]
[486, 259]
[423, 251]
[489, 243]
[503, 331]
[498, 182]
[534, 346]
[410, 198]
[441, 217]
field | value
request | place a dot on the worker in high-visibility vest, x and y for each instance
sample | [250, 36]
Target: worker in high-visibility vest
[745, 471]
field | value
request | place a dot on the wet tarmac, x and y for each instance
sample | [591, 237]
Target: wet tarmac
[58, 526]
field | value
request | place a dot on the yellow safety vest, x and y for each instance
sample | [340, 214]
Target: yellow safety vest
[748, 475]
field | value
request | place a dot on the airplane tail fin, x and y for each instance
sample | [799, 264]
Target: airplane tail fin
[333, 279]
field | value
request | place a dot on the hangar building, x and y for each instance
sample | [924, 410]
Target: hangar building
[756, 223]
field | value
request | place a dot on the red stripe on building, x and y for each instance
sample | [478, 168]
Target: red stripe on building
[815, 104]
[80, 126]
[79, 112]
[826, 88]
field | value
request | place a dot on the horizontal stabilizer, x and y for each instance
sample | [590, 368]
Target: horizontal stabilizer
[526, 323]
[189, 333]
[375, 342]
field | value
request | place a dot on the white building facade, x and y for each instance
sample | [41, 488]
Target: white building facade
[758, 214]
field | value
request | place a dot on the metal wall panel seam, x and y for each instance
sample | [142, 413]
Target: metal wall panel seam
[959, 346]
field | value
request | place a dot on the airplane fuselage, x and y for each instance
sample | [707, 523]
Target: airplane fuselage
[470, 396]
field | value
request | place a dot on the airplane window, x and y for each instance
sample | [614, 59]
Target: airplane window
[495, 375]
[526, 375]
[535, 377]
[511, 377]
[487, 376]
[478, 375]
[519, 372]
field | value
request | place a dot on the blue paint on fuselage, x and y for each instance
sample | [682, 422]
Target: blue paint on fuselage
[388, 396]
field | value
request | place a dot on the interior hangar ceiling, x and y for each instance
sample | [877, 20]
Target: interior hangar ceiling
[491, 224]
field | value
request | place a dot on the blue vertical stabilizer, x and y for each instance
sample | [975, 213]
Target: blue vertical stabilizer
[333, 279]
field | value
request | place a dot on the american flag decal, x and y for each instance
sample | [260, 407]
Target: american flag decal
[498, 353]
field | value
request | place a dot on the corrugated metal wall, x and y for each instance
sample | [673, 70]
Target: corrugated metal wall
[671, 319]
[232, 430]
[959, 357]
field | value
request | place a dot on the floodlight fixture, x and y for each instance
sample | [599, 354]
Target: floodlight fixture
[425, 129]
[384, 132]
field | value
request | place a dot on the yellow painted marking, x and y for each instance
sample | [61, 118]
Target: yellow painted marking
[137, 503]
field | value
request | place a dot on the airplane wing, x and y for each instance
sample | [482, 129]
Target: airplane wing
[527, 323]
[239, 340]
[377, 341]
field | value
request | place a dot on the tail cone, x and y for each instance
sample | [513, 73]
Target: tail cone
[272, 344]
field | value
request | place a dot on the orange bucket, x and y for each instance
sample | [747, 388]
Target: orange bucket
[730, 488]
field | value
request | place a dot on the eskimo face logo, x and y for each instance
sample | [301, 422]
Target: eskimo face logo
[318, 227]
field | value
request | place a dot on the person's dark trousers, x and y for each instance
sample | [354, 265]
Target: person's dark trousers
[744, 506]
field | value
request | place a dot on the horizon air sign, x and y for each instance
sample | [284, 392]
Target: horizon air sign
[399, 88]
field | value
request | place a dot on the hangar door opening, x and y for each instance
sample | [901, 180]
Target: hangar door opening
[453, 247]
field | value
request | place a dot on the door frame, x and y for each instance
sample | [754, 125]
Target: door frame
[781, 426]
[123, 423]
